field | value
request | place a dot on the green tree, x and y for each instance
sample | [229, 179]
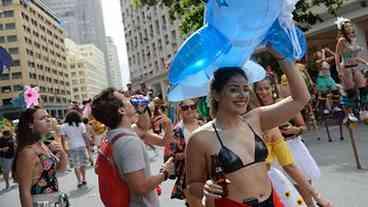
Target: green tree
[190, 12]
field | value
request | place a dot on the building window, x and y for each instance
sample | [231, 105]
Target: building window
[10, 26]
[17, 75]
[7, 101]
[157, 25]
[16, 63]
[12, 38]
[166, 39]
[163, 22]
[7, 2]
[2, 39]
[5, 76]
[17, 87]
[44, 98]
[9, 13]
[6, 89]
[13, 50]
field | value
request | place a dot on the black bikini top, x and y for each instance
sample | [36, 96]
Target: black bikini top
[231, 162]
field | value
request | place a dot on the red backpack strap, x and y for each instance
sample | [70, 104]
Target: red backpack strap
[105, 151]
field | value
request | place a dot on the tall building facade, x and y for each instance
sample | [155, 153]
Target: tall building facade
[87, 70]
[113, 63]
[151, 39]
[82, 21]
[33, 36]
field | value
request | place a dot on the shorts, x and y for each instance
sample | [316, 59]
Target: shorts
[6, 164]
[325, 83]
[78, 157]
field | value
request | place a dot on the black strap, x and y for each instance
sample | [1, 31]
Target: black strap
[218, 135]
[117, 136]
[252, 129]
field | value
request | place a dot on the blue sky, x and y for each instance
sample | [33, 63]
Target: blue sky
[114, 28]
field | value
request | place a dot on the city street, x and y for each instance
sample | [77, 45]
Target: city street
[341, 182]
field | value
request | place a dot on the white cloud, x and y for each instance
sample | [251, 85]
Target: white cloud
[114, 28]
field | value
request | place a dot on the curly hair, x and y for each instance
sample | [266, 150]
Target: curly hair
[105, 108]
[220, 78]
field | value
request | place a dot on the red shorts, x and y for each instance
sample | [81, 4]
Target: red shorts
[224, 202]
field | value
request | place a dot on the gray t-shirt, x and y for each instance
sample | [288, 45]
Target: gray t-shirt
[129, 155]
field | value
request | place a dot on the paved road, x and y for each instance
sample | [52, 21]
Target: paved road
[340, 181]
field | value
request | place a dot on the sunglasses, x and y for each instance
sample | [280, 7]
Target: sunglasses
[187, 107]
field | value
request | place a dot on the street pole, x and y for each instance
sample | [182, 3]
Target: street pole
[353, 143]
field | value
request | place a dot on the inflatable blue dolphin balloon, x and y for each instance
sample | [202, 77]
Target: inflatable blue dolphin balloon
[232, 30]
[196, 85]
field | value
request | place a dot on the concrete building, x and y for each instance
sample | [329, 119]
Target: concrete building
[325, 34]
[113, 64]
[33, 36]
[82, 21]
[151, 39]
[87, 70]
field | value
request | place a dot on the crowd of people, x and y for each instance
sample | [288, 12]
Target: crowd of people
[244, 150]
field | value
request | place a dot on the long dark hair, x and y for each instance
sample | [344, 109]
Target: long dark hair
[220, 79]
[25, 135]
[73, 118]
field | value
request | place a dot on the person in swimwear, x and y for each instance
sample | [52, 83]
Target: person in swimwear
[280, 150]
[349, 60]
[235, 137]
[325, 83]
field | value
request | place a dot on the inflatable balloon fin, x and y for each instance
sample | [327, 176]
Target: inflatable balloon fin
[222, 3]
[198, 52]
[289, 41]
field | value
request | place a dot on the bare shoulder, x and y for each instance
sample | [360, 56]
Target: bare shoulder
[27, 155]
[27, 152]
[202, 135]
[253, 119]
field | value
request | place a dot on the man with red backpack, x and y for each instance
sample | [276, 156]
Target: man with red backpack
[123, 166]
